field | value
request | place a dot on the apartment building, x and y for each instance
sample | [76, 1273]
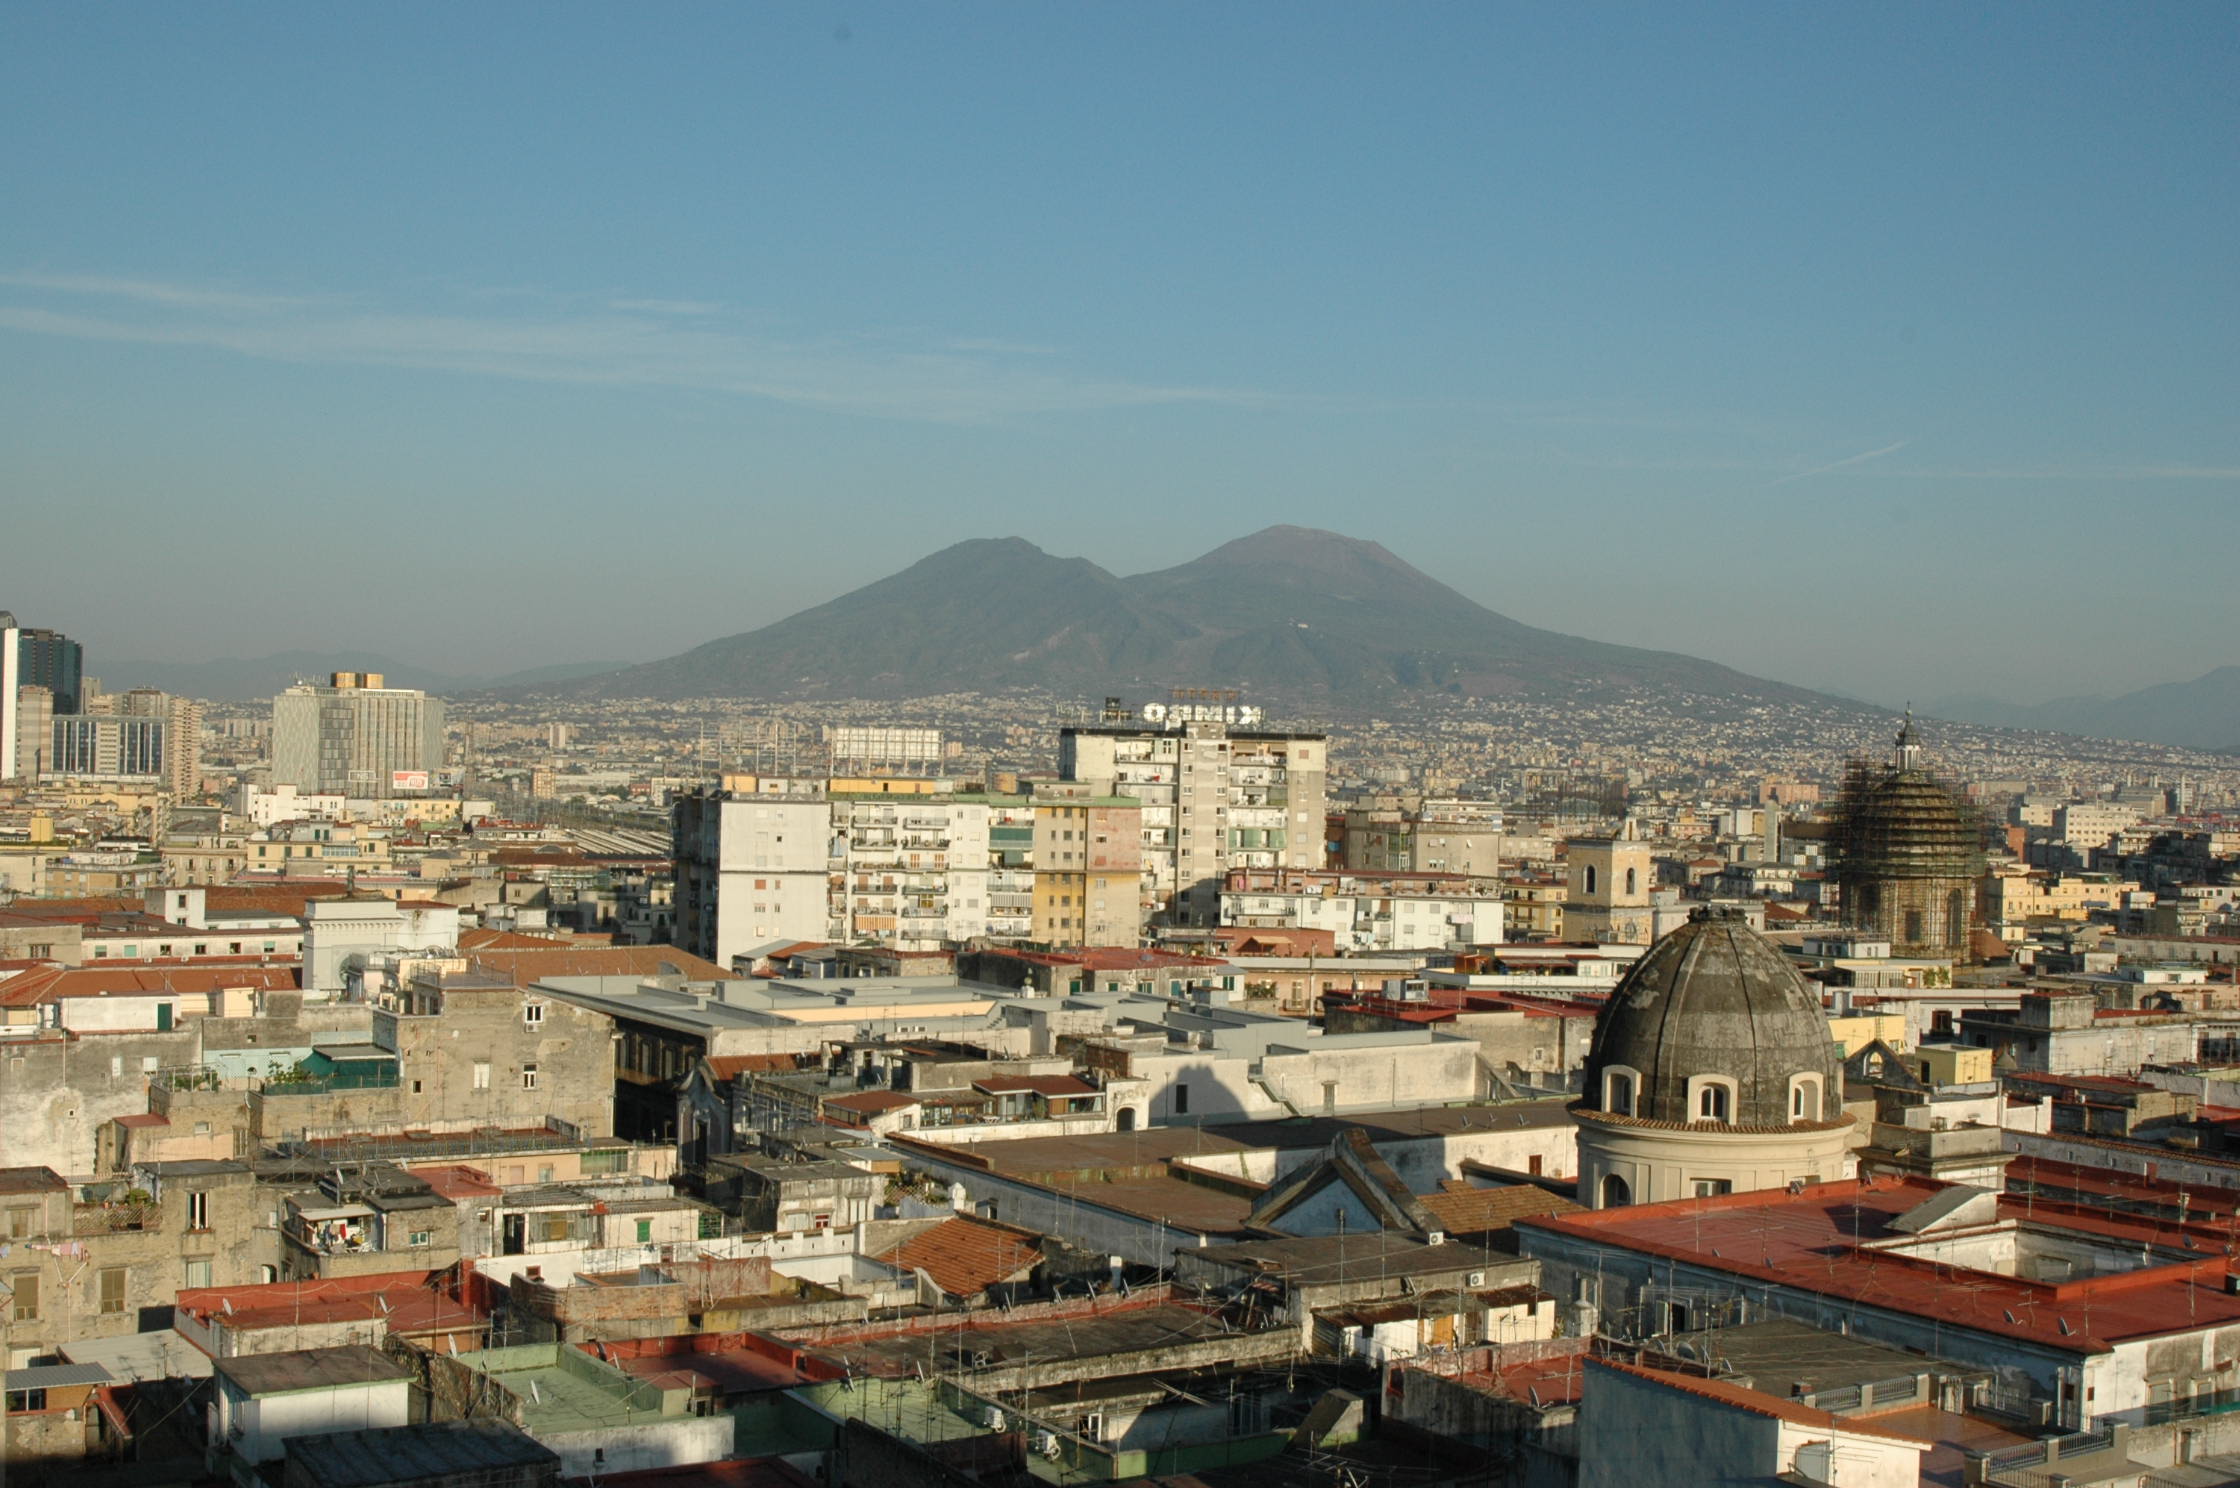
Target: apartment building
[1088, 867]
[753, 865]
[1217, 793]
[356, 737]
[913, 868]
[1393, 834]
[39, 677]
[1368, 912]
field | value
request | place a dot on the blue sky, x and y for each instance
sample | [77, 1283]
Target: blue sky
[1888, 349]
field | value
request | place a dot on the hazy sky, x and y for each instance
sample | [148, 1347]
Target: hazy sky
[1883, 348]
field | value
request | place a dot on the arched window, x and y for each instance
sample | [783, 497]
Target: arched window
[1804, 1098]
[1616, 1192]
[1617, 1092]
[1632, 881]
[1590, 878]
[1711, 1099]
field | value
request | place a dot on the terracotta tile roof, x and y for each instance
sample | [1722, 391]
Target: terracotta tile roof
[279, 898]
[110, 981]
[871, 1102]
[1757, 1402]
[1820, 1241]
[77, 909]
[458, 1181]
[144, 1119]
[726, 1067]
[30, 1180]
[526, 966]
[1465, 1209]
[966, 1256]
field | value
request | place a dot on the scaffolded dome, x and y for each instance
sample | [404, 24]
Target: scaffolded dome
[1906, 855]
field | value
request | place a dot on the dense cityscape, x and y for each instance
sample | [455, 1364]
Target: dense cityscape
[998, 1088]
[1297, 745]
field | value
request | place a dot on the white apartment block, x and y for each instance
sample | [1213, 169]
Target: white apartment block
[751, 869]
[1215, 796]
[1419, 912]
[911, 871]
[2085, 825]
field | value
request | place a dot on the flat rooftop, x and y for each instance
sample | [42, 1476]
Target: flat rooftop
[1042, 1156]
[402, 1454]
[1781, 1352]
[895, 1352]
[310, 1369]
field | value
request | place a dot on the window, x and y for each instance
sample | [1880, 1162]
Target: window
[196, 1272]
[109, 1287]
[1632, 879]
[25, 1285]
[21, 1402]
[1714, 1101]
[21, 1222]
[1913, 924]
[1617, 1092]
[1590, 879]
[482, 1074]
[198, 1210]
[528, 1077]
[1804, 1098]
[532, 1013]
[645, 1230]
[1616, 1192]
[419, 1239]
[1711, 1188]
[416, 1087]
[1181, 1098]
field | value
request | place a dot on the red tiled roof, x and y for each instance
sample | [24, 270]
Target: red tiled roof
[726, 1067]
[966, 1256]
[406, 1300]
[457, 1181]
[126, 981]
[1819, 1240]
[1757, 1402]
[872, 1102]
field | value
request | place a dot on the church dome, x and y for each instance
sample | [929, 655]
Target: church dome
[1713, 1024]
[1906, 824]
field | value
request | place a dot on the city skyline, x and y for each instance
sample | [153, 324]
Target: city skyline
[1842, 350]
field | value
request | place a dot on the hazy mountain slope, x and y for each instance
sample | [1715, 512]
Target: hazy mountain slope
[1288, 613]
[2201, 714]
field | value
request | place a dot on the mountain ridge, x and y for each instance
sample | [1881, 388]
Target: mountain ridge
[2200, 713]
[1290, 613]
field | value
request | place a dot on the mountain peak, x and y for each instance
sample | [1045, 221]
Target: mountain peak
[1305, 550]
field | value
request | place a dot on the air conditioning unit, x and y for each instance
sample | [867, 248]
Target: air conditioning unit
[1046, 1442]
[1477, 1279]
[992, 1419]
